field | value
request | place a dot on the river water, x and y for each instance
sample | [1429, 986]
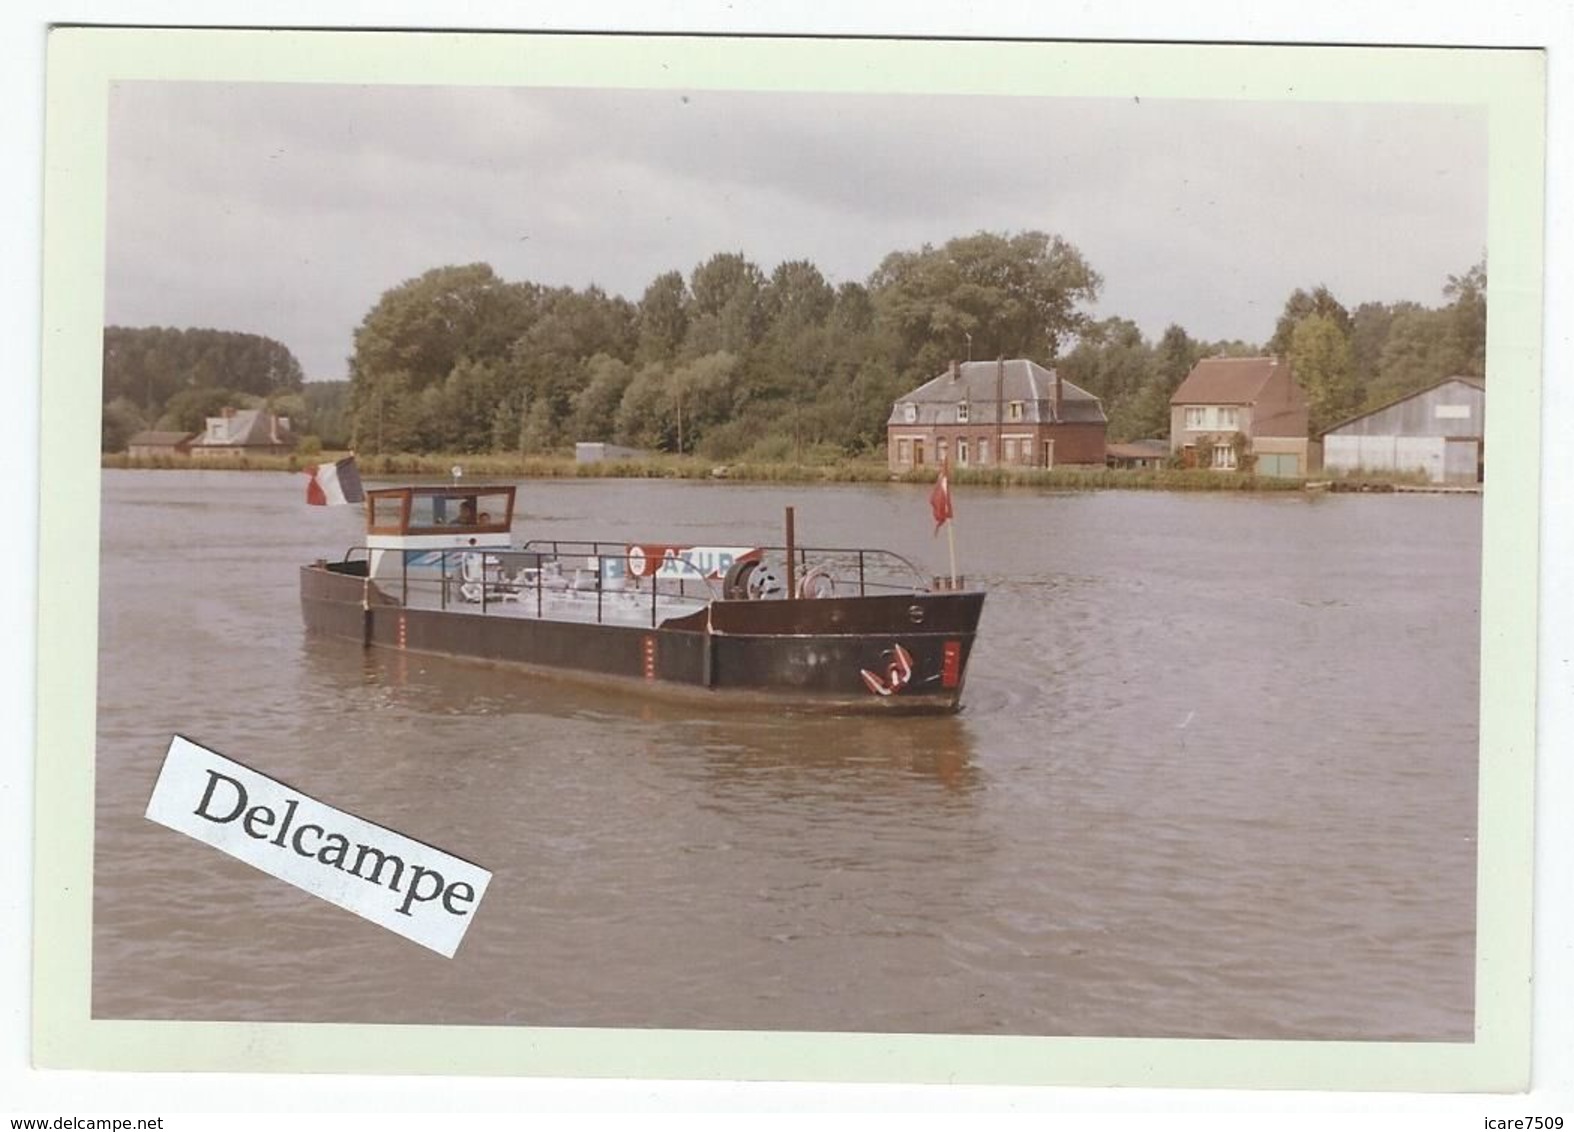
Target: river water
[1215, 776]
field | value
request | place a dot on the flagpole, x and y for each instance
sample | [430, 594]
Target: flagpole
[950, 538]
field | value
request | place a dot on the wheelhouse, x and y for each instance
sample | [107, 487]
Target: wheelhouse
[449, 510]
[413, 528]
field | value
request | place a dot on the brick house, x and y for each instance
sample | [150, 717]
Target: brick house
[1230, 411]
[984, 414]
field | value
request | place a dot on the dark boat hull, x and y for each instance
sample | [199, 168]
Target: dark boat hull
[903, 653]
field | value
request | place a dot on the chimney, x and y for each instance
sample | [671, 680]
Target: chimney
[229, 411]
[956, 371]
[1060, 399]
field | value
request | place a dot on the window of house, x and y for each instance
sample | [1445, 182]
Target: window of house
[1196, 417]
[1014, 411]
[904, 451]
[1224, 457]
[961, 451]
[961, 412]
[1227, 417]
[983, 450]
[909, 412]
[941, 447]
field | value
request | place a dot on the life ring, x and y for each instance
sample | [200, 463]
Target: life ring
[765, 583]
[817, 583]
[735, 586]
[751, 580]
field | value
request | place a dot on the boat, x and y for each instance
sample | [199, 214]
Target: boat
[813, 628]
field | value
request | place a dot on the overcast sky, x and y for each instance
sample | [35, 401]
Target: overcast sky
[287, 210]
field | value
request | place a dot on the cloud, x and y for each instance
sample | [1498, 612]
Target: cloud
[287, 209]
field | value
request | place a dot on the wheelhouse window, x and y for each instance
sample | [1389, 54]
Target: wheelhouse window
[440, 510]
[386, 510]
[481, 509]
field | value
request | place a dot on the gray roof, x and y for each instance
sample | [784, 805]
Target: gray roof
[249, 428]
[163, 439]
[1462, 379]
[985, 390]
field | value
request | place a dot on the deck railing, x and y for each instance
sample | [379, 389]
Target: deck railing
[548, 572]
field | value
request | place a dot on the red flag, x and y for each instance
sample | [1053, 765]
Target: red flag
[940, 498]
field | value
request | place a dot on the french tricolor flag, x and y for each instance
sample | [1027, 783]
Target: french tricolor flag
[334, 483]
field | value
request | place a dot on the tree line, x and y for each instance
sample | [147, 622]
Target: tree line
[731, 362]
[727, 361]
[1346, 361]
[164, 378]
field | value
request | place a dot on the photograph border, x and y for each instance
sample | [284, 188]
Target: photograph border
[83, 62]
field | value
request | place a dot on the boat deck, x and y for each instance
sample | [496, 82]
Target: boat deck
[589, 605]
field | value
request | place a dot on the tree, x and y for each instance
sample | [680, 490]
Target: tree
[1320, 356]
[1302, 305]
[1413, 355]
[726, 305]
[1148, 414]
[595, 407]
[328, 411]
[797, 296]
[663, 319]
[189, 410]
[1113, 362]
[122, 420]
[1016, 296]
[647, 412]
[1466, 336]
[146, 366]
[419, 331]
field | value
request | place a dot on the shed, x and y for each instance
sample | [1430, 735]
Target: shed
[160, 444]
[1437, 431]
[595, 451]
[1138, 454]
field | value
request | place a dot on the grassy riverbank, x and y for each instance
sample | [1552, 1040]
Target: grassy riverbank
[483, 467]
